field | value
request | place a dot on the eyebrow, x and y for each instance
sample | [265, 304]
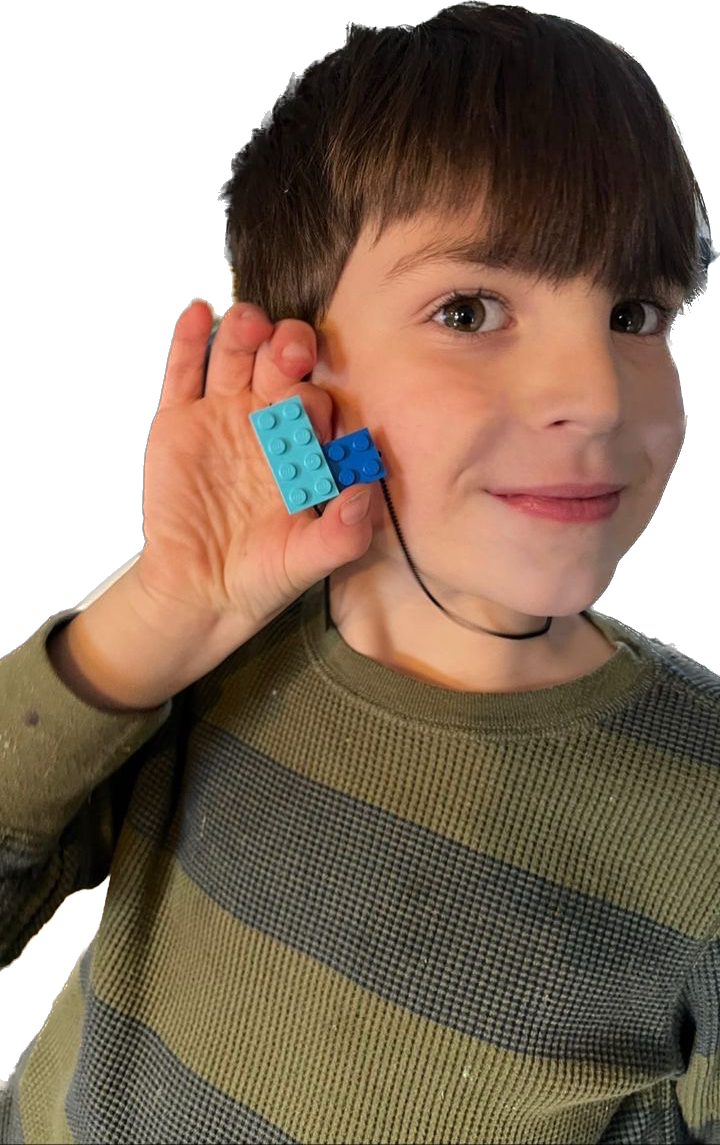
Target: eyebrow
[471, 251]
[468, 250]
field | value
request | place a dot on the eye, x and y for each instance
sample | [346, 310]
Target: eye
[629, 314]
[462, 307]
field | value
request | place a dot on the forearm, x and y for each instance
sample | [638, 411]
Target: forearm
[121, 654]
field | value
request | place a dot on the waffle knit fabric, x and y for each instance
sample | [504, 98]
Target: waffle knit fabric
[346, 905]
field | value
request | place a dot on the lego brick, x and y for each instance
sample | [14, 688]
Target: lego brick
[306, 472]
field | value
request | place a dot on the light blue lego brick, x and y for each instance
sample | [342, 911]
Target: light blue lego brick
[292, 450]
[294, 454]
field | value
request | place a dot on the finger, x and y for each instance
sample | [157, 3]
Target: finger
[243, 329]
[280, 375]
[284, 359]
[183, 370]
[248, 351]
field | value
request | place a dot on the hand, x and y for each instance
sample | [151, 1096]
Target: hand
[219, 542]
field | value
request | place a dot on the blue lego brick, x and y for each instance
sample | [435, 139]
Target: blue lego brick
[294, 454]
[353, 458]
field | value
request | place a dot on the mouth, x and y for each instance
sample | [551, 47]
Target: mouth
[574, 491]
[579, 510]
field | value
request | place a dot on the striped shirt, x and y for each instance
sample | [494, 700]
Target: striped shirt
[346, 905]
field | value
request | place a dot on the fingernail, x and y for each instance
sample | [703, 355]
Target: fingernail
[356, 508]
[296, 352]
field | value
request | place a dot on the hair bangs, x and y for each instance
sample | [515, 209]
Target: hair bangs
[543, 138]
[525, 133]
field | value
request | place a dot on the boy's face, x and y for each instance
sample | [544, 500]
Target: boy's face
[556, 393]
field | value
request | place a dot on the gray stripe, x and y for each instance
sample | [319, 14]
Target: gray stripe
[451, 934]
[130, 1087]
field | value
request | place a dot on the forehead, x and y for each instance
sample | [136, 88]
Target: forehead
[409, 248]
[407, 251]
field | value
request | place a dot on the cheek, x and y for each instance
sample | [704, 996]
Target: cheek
[659, 419]
[664, 441]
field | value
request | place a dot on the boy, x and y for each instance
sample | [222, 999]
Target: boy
[406, 842]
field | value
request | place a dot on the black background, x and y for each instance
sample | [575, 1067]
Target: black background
[117, 141]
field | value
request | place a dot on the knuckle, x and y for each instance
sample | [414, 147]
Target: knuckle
[249, 310]
[237, 333]
[294, 330]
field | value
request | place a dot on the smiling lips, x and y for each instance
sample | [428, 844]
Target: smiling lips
[574, 491]
[580, 510]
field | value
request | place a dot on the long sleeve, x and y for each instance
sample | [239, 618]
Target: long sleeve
[698, 1090]
[66, 769]
[348, 905]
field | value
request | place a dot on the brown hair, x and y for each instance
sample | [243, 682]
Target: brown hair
[559, 134]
